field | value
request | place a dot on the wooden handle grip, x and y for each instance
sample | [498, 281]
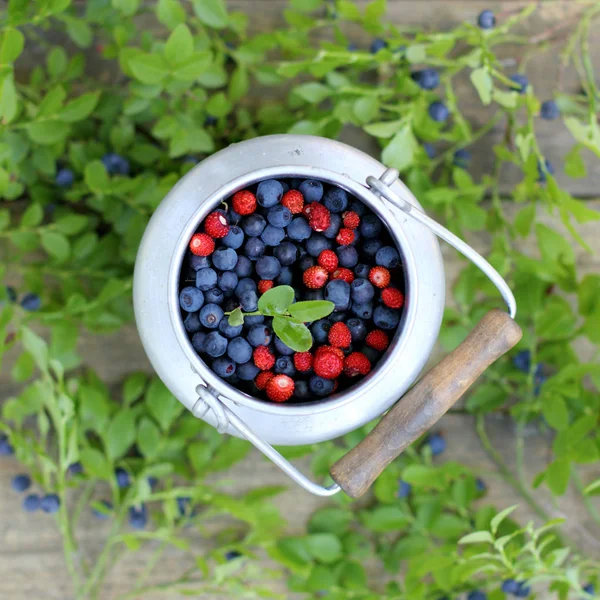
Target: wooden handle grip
[423, 405]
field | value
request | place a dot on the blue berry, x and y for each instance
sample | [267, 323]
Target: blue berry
[295, 183]
[183, 504]
[272, 236]
[510, 586]
[210, 121]
[370, 226]
[549, 110]
[371, 246]
[286, 253]
[336, 200]
[285, 186]
[192, 322]
[362, 291]
[199, 262]
[438, 111]
[215, 344]
[335, 222]
[386, 318]
[20, 483]
[75, 468]
[206, 279]
[227, 281]
[244, 267]
[122, 477]
[31, 503]
[486, 20]
[138, 516]
[249, 301]
[259, 335]
[338, 292]
[234, 217]
[285, 365]
[337, 316]
[299, 229]
[548, 170]
[282, 348]
[191, 299]
[347, 256]
[285, 277]
[211, 315]
[103, 514]
[279, 216]
[352, 47]
[316, 243]
[254, 248]
[320, 386]
[239, 350]
[248, 371]
[232, 555]
[358, 329]
[523, 590]
[372, 354]
[229, 331]
[362, 311]
[376, 45]
[115, 164]
[269, 193]
[362, 270]
[198, 340]
[224, 367]
[477, 594]
[388, 257]
[429, 150]
[254, 224]
[404, 489]
[480, 485]
[268, 267]
[11, 293]
[306, 262]
[234, 238]
[214, 296]
[320, 330]
[589, 589]
[225, 259]
[31, 302]
[301, 390]
[462, 158]
[522, 361]
[437, 443]
[50, 503]
[312, 190]
[521, 82]
[152, 481]
[64, 178]
[427, 79]
[245, 285]
[358, 207]
[254, 320]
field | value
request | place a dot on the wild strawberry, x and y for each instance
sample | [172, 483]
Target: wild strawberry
[263, 358]
[337, 351]
[356, 364]
[293, 201]
[351, 219]
[315, 277]
[342, 273]
[345, 236]
[202, 244]
[319, 217]
[328, 260]
[378, 340]
[264, 285]
[392, 297]
[379, 277]
[262, 378]
[339, 335]
[328, 364]
[303, 361]
[280, 388]
[216, 224]
[244, 202]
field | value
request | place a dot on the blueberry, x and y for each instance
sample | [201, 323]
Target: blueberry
[356, 238]
[427, 79]
[371, 246]
[254, 224]
[362, 291]
[313, 294]
[362, 311]
[268, 267]
[206, 279]
[295, 183]
[285, 277]
[319, 331]
[282, 348]
[11, 293]
[337, 316]
[214, 296]
[523, 590]
[31, 302]
[478, 594]
[521, 82]
[370, 226]
[272, 236]
[229, 331]
[338, 292]
[547, 170]
[335, 222]
[301, 390]
[352, 47]
[285, 365]
[248, 371]
[224, 367]
[115, 164]
[183, 504]
[198, 340]
[234, 217]
[103, 515]
[210, 121]
[227, 281]
[388, 257]
[225, 259]
[64, 178]
[376, 45]
[549, 110]
[306, 262]
[486, 20]
[429, 150]
[75, 468]
[510, 586]
[299, 229]
[589, 589]
[122, 477]
[244, 267]
[347, 256]
[358, 329]
[522, 361]
[462, 158]
[362, 270]
[285, 186]
[50, 503]
[31, 503]
[191, 299]
[239, 350]
[249, 301]
[234, 238]
[312, 190]
[279, 216]
[215, 344]
[199, 262]
[320, 386]
[138, 516]
[254, 320]
[152, 481]
[437, 443]
[372, 354]
[386, 318]
[336, 200]
[286, 253]
[254, 248]
[232, 555]
[245, 285]
[259, 335]
[211, 315]
[358, 207]
[438, 111]
[403, 489]
[480, 485]
[316, 243]
[269, 193]
[20, 483]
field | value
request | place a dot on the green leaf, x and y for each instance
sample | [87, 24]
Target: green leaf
[311, 310]
[482, 81]
[592, 488]
[56, 245]
[9, 102]
[148, 438]
[236, 317]
[162, 404]
[180, 45]
[57, 62]
[133, 387]
[120, 434]
[400, 152]
[313, 92]
[588, 294]
[211, 12]
[276, 300]
[325, 547]
[126, 7]
[80, 108]
[555, 412]
[295, 335]
[13, 42]
[95, 463]
[71, 224]
[574, 163]
[96, 177]
[524, 220]
[79, 31]
[170, 13]
[495, 522]
[558, 474]
[366, 108]
[33, 216]
[149, 68]
[47, 132]
[385, 519]
[422, 476]
[477, 537]
[330, 520]
[219, 105]
[294, 549]
[23, 368]
[36, 347]
[239, 84]
[384, 129]
[193, 67]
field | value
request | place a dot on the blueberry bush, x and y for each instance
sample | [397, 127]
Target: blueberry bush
[109, 118]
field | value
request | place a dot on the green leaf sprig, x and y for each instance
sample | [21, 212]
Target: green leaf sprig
[289, 317]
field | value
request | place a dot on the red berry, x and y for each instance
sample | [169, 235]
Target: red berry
[280, 388]
[342, 273]
[293, 201]
[345, 236]
[356, 364]
[351, 219]
[339, 335]
[315, 277]
[303, 361]
[319, 217]
[328, 260]
[202, 244]
[328, 364]
[262, 379]
[392, 297]
[263, 358]
[379, 277]
[244, 202]
[378, 340]
[265, 285]
[216, 224]
[337, 351]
